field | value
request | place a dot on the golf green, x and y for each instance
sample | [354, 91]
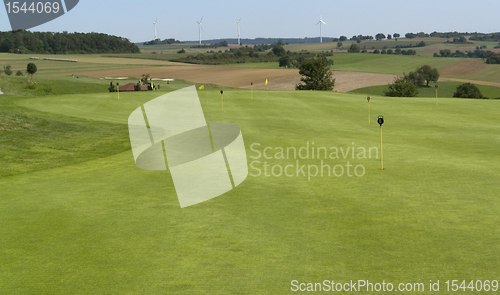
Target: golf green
[104, 226]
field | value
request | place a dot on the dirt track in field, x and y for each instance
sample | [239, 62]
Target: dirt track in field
[278, 79]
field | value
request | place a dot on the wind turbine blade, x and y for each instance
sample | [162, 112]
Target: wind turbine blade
[201, 19]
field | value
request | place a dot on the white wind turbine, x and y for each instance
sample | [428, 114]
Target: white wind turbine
[320, 23]
[200, 27]
[154, 23]
[238, 22]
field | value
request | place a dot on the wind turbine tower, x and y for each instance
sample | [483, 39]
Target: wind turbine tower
[200, 27]
[238, 22]
[154, 23]
[320, 23]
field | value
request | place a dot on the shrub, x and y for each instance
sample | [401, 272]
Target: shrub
[354, 48]
[31, 69]
[19, 73]
[468, 90]
[7, 70]
[402, 87]
[494, 59]
[181, 51]
[316, 74]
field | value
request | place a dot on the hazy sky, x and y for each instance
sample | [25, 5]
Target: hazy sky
[271, 18]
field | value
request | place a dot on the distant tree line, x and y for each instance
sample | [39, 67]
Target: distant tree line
[63, 43]
[355, 48]
[244, 54]
[258, 53]
[489, 56]
[162, 42]
[215, 45]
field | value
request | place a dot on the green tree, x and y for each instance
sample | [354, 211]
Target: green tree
[354, 48]
[396, 36]
[467, 90]
[402, 87]
[428, 73]
[316, 74]
[380, 37]
[339, 45]
[6, 45]
[342, 38]
[31, 69]
[278, 50]
[7, 70]
[285, 61]
[389, 37]
[494, 59]
[416, 78]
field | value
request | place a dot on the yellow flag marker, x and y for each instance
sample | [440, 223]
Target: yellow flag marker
[201, 87]
[265, 83]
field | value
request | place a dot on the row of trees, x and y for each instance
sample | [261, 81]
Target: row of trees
[215, 45]
[398, 51]
[471, 54]
[62, 43]
[161, 42]
[258, 53]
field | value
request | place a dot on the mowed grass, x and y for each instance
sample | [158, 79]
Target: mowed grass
[105, 226]
[446, 89]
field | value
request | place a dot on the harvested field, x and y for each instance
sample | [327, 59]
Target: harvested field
[344, 81]
[279, 79]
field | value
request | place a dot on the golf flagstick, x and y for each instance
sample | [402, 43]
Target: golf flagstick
[381, 122]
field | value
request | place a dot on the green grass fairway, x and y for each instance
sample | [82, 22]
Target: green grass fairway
[446, 89]
[104, 226]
